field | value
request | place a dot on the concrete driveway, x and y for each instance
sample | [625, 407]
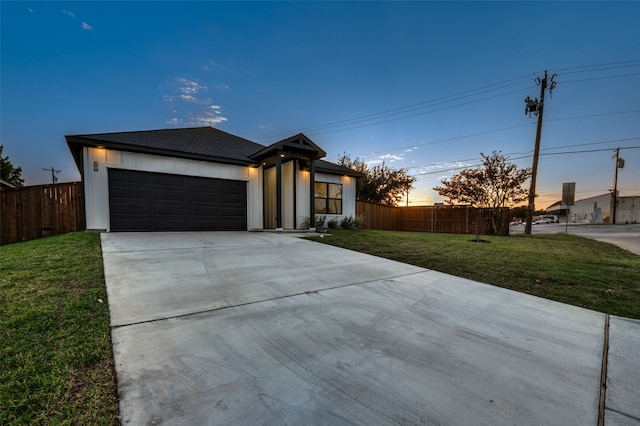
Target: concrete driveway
[260, 328]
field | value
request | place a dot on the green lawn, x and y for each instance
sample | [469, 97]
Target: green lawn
[56, 364]
[566, 268]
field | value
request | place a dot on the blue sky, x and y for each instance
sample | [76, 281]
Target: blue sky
[423, 85]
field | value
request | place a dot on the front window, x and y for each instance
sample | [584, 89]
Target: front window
[328, 198]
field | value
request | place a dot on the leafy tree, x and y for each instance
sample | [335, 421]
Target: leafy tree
[493, 185]
[381, 184]
[8, 173]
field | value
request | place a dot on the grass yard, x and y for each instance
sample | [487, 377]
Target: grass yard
[566, 268]
[56, 365]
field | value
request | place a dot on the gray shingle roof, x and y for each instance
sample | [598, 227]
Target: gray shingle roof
[332, 168]
[202, 143]
[195, 142]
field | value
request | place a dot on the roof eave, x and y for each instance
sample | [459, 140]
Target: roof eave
[92, 143]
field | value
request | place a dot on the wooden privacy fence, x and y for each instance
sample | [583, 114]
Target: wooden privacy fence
[440, 219]
[39, 211]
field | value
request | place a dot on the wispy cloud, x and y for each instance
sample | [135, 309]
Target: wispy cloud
[186, 95]
[206, 118]
[69, 13]
[188, 98]
[391, 157]
[190, 86]
[30, 10]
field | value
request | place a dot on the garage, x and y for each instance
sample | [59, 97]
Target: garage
[147, 201]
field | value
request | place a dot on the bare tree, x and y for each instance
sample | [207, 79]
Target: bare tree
[381, 184]
[493, 185]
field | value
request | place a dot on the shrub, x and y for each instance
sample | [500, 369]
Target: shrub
[320, 222]
[350, 222]
[333, 224]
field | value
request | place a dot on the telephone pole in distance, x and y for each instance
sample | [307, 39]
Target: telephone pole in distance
[53, 171]
[619, 165]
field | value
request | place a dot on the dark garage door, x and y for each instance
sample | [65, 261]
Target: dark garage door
[143, 201]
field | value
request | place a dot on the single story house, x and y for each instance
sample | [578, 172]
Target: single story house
[206, 179]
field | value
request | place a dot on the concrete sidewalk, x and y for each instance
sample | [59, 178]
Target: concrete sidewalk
[258, 328]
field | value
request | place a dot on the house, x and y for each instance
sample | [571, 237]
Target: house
[206, 179]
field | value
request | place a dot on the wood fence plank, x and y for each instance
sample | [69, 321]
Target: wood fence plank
[39, 211]
[440, 219]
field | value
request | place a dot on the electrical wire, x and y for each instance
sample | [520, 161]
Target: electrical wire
[415, 115]
[493, 131]
[632, 61]
[408, 108]
[453, 97]
[526, 156]
[599, 78]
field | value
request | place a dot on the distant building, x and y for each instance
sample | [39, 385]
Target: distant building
[599, 210]
[557, 209]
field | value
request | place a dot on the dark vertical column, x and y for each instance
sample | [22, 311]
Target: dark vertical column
[312, 202]
[278, 191]
[295, 190]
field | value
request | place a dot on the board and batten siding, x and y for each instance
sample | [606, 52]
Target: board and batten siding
[301, 201]
[96, 181]
[303, 196]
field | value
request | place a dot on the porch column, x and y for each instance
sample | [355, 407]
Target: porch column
[278, 191]
[312, 190]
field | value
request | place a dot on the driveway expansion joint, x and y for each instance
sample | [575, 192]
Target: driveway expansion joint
[308, 292]
[603, 375]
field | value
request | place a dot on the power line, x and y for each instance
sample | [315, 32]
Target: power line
[496, 131]
[449, 98]
[597, 65]
[599, 78]
[54, 172]
[415, 115]
[413, 107]
[594, 115]
[409, 108]
[451, 139]
[521, 157]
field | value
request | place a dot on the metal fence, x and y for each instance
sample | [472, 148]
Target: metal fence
[39, 211]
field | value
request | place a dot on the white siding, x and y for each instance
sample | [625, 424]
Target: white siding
[302, 197]
[348, 195]
[96, 183]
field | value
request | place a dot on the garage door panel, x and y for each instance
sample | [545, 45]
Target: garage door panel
[163, 202]
[168, 196]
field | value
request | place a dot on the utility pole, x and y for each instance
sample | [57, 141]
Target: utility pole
[536, 107]
[53, 171]
[619, 165]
